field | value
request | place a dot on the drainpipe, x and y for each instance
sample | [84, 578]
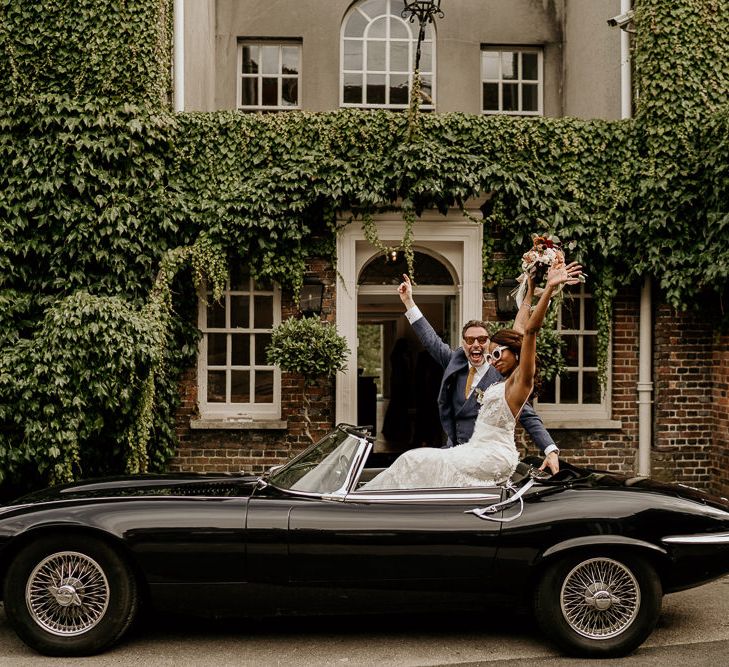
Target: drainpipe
[645, 352]
[178, 55]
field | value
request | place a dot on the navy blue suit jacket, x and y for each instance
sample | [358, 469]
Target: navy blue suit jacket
[458, 414]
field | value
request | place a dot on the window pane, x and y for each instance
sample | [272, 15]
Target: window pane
[489, 65]
[378, 28]
[491, 96]
[239, 312]
[353, 89]
[262, 341]
[509, 65]
[399, 57]
[250, 59]
[590, 388]
[511, 97]
[290, 59]
[374, 8]
[529, 97]
[289, 91]
[240, 387]
[570, 314]
[264, 387]
[241, 350]
[426, 57]
[590, 315]
[568, 388]
[529, 66]
[547, 392]
[398, 29]
[217, 349]
[216, 387]
[269, 95]
[426, 89]
[353, 54]
[376, 89]
[269, 59]
[263, 312]
[589, 350]
[376, 56]
[571, 351]
[263, 285]
[216, 315]
[249, 92]
[355, 25]
[398, 89]
[239, 279]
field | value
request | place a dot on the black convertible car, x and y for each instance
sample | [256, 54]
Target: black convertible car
[591, 552]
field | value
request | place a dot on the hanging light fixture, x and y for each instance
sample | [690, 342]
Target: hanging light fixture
[311, 297]
[425, 12]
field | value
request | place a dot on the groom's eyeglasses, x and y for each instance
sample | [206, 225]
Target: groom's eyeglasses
[470, 340]
[496, 354]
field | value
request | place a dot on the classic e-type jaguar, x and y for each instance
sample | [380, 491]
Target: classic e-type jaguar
[592, 552]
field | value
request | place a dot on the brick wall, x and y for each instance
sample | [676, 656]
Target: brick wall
[684, 411]
[720, 415]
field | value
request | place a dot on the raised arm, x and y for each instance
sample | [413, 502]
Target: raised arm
[522, 316]
[521, 382]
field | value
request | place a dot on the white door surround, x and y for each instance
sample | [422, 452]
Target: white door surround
[453, 237]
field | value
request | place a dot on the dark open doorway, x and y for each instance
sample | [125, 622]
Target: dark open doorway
[398, 381]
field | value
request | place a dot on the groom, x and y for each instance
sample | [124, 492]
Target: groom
[465, 370]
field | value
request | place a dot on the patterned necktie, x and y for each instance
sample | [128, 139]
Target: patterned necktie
[469, 380]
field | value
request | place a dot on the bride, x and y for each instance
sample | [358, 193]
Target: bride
[490, 456]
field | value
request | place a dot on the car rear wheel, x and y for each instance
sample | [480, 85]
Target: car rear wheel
[69, 596]
[598, 606]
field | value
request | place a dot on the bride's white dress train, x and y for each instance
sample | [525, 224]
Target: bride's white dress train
[488, 458]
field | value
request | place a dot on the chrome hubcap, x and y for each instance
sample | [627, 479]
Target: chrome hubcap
[67, 593]
[600, 598]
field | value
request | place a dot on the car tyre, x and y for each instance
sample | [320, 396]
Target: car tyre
[598, 606]
[69, 595]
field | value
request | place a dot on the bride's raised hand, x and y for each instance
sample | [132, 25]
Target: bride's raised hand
[569, 274]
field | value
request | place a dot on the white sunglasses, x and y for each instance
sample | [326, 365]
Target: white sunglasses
[496, 354]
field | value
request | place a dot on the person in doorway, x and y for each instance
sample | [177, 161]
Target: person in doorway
[396, 424]
[490, 455]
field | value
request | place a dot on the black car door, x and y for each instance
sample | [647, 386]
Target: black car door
[401, 540]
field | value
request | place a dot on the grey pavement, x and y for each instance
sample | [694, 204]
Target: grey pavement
[693, 630]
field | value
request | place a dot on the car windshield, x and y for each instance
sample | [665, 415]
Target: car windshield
[322, 468]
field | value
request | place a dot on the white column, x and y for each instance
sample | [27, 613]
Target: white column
[178, 56]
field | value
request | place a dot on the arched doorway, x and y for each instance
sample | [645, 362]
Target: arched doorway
[454, 239]
[397, 385]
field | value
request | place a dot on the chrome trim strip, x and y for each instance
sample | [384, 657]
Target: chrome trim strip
[707, 538]
[425, 496]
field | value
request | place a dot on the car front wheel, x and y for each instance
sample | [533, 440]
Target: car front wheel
[69, 596]
[598, 606]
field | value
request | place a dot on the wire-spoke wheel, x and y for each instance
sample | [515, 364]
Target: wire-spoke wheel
[600, 598]
[598, 606]
[69, 595]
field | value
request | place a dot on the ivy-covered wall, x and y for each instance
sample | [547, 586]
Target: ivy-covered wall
[100, 180]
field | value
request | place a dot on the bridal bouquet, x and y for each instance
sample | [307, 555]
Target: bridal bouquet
[546, 251]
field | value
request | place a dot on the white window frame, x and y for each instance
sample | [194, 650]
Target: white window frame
[580, 415]
[412, 44]
[229, 410]
[259, 76]
[519, 80]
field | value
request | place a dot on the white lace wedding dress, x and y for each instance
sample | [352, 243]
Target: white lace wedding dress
[488, 458]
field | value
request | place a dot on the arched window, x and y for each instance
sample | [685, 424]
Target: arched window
[378, 54]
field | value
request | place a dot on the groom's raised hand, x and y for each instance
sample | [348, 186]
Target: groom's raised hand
[405, 290]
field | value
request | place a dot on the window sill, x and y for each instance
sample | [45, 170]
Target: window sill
[238, 424]
[564, 423]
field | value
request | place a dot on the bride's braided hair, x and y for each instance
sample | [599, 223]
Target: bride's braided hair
[512, 339]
